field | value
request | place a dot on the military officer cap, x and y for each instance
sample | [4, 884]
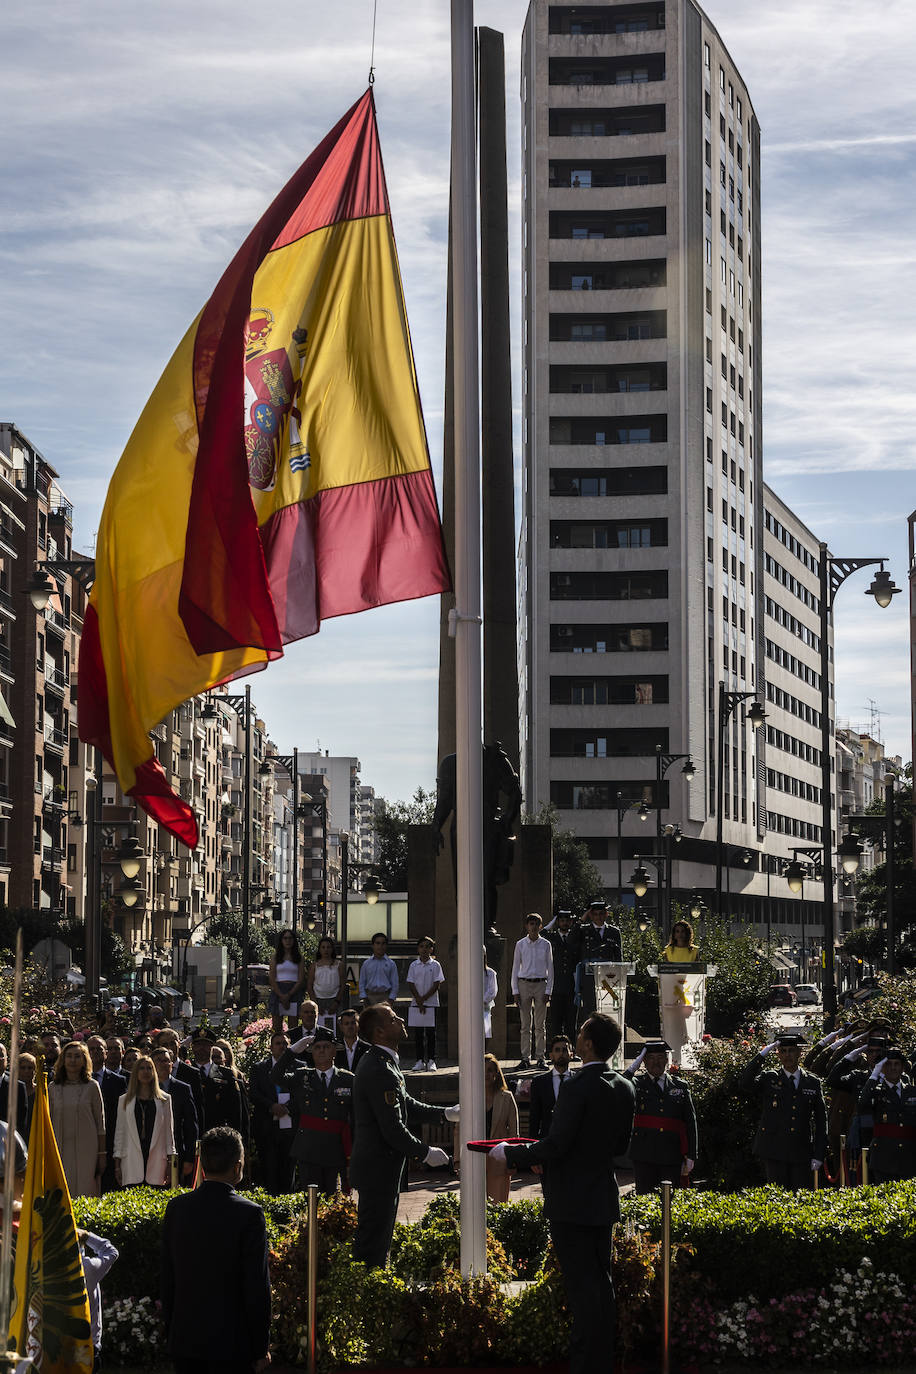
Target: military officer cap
[205, 1033]
[597, 905]
[564, 911]
[789, 1039]
[894, 1052]
[878, 1041]
[323, 1036]
[657, 1047]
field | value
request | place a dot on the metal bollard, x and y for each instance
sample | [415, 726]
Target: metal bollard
[864, 1158]
[312, 1276]
[173, 1171]
[666, 1276]
[843, 1179]
[815, 1175]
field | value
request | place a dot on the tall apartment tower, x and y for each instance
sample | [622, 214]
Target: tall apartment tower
[641, 548]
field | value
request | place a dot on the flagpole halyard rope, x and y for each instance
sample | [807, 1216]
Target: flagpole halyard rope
[372, 46]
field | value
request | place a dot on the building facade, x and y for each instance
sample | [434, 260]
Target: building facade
[642, 574]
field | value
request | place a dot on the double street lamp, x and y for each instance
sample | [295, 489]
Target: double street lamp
[290, 764]
[370, 891]
[833, 573]
[728, 705]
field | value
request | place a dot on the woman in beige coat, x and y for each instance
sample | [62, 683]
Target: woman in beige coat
[78, 1118]
[144, 1135]
[501, 1124]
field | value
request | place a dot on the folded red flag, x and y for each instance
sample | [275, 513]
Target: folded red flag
[482, 1146]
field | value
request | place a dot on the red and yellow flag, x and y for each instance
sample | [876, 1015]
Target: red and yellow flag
[50, 1318]
[279, 474]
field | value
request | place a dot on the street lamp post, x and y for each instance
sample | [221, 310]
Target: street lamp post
[242, 707]
[662, 763]
[833, 573]
[728, 704]
[623, 807]
[371, 890]
[639, 880]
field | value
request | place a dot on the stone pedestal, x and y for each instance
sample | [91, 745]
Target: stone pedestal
[432, 909]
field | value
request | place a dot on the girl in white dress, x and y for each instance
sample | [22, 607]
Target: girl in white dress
[424, 978]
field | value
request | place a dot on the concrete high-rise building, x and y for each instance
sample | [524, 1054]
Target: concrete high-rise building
[641, 556]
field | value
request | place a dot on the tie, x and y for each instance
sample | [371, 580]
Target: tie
[327, 1079]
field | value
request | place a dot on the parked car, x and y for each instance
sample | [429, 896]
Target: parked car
[807, 993]
[781, 995]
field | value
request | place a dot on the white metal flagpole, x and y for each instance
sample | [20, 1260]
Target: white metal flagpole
[467, 629]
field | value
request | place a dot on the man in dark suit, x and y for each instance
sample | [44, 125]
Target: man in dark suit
[322, 1101]
[791, 1139]
[184, 1113]
[596, 939]
[562, 1014]
[545, 1087]
[592, 1122]
[383, 1111]
[214, 1281]
[272, 1123]
[113, 1086]
[187, 1073]
[664, 1144]
[352, 1046]
[22, 1103]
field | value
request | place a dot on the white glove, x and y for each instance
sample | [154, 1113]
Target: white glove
[688, 1166]
[453, 1113]
[878, 1070]
[303, 1044]
[816, 1164]
[435, 1157]
[638, 1060]
[854, 1054]
[498, 1152]
[829, 1039]
[766, 1049]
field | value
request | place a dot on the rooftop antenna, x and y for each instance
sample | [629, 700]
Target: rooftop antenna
[874, 726]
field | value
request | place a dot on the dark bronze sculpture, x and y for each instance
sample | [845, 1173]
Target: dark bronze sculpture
[502, 803]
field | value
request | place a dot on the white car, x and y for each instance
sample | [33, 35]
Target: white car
[807, 994]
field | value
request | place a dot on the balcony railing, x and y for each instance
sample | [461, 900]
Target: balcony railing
[56, 739]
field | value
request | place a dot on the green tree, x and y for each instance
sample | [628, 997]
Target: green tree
[871, 887]
[390, 822]
[576, 880]
[226, 928]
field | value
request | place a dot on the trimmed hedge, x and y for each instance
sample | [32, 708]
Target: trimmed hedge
[769, 1242]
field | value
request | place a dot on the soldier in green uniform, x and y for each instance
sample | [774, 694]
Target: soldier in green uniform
[846, 1080]
[383, 1113]
[791, 1139]
[890, 1097]
[321, 1106]
[664, 1143]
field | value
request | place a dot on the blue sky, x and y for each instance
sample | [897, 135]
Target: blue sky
[142, 141]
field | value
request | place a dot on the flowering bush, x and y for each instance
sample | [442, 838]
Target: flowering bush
[133, 1332]
[862, 1317]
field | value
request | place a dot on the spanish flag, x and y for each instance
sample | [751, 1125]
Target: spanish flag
[50, 1318]
[278, 475]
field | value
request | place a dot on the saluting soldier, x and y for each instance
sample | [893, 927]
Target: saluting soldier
[321, 1101]
[598, 939]
[846, 1080]
[664, 1143]
[890, 1097]
[383, 1113]
[791, 1139]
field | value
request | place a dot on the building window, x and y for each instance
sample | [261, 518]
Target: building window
[705, 54]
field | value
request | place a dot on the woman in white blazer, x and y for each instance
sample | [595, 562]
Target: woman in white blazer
[144, 1135]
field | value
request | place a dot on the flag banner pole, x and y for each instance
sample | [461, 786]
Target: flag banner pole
[467, 623]
[9, 1174]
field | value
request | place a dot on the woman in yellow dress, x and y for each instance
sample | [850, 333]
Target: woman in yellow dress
[680, 949]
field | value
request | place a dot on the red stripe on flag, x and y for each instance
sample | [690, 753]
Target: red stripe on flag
[225, 599]
[378, 542]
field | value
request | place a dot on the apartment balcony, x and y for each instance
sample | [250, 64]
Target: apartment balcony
[55, 621]
[56, 739]
[56, 680]
[7, 606]
[6, 665]
[52, 859]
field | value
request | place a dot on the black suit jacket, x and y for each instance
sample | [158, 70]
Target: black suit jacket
[340, 1058]
[184, 1119]
[113, 1087]
[214, 1280]
[262, 1095]
[541, 1104]
[22, 1105]
[592, 1123]
[190, 1075]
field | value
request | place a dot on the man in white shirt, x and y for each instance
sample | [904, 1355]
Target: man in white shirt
[532, 984]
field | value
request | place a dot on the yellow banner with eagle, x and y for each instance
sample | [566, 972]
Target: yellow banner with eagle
[50, 1317]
